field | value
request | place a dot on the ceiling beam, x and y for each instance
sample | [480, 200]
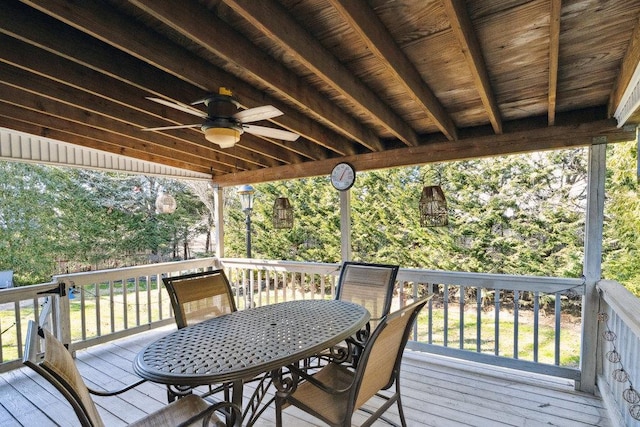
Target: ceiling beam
[273, 20]
[462, 27]
[103, 22]
[205, 28]
[554, 49]
[524, 141]
[362, 19]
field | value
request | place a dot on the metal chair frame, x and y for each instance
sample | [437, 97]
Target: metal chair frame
[336, 392]
[370, 285]
[57, 366]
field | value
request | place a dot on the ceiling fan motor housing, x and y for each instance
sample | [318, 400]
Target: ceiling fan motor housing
[221, 106]
[220, 109]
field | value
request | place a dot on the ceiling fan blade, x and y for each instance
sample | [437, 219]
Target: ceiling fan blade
[182, 107]
[270, 132]
[257, 113]
[172, 127]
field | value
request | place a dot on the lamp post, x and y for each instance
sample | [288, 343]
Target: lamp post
[246, 200]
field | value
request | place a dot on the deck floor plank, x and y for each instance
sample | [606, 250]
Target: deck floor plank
[437, 391]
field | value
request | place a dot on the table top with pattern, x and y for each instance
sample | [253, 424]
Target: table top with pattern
[246, 343]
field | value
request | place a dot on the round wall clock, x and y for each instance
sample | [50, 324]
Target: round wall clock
[343, 176]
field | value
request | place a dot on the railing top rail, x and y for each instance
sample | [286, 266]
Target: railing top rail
[624, 303]
[273, 265]
[24, 292]
[494, 281]
[89, 277]
[484, 280]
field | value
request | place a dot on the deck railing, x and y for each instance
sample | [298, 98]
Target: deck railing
[618, 350]
[489, 318]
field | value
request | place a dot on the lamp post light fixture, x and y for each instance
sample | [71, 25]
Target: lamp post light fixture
[246, 193]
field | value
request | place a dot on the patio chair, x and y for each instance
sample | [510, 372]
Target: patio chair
[199, 296]
[336, 392]
[196, 297]
[58, 367]
[370, 285]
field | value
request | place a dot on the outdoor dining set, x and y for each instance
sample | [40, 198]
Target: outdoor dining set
[327, 357]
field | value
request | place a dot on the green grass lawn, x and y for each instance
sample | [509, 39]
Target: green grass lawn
[569, 335]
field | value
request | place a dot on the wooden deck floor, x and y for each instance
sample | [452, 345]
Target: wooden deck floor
[437, 391]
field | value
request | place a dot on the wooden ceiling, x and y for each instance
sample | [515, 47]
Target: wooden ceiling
[377, 83]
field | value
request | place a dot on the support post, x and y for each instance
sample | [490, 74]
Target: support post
[345, 225]
[592, 268]
[218, 200]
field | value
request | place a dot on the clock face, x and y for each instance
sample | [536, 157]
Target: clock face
[343, 176]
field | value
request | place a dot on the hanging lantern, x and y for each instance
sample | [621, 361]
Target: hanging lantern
[282, 213]
[165, 204]
[433, 207]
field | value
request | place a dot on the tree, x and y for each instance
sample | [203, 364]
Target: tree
[621, 246]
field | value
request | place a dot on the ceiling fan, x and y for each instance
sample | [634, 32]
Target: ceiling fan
[223, 124]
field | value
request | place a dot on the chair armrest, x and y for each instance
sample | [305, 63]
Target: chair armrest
[115, 392]
[205, 415]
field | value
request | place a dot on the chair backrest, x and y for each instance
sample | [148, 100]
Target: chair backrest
[370, 285]
[199, 296]
[379, 364]
[58, 367]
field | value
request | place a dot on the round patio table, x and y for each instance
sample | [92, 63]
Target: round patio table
[244, 344]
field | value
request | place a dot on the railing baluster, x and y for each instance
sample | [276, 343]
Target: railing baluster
[98, 314]
[536, 324]
[18, 323]
[159, 287]
[430, 305]
[260, 287]
[149, 304]
[137, 298]
[125, 307]
[112, 315]
[462, 292]
[479, 319]
[445, 301]
[83, 312]
[558, 315]
[516, 322]
[496, 311]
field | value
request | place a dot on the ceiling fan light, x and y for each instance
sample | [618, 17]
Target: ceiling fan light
[224, 137]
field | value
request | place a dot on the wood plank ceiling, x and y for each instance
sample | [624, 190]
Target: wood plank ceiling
[377, 83]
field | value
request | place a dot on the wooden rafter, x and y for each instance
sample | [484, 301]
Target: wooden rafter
[463, 29]
[366, 23]
[277, 24]
[554, 48]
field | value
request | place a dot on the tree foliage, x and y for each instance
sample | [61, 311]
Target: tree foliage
[621, 245]
[55, 220]
[512, 215]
